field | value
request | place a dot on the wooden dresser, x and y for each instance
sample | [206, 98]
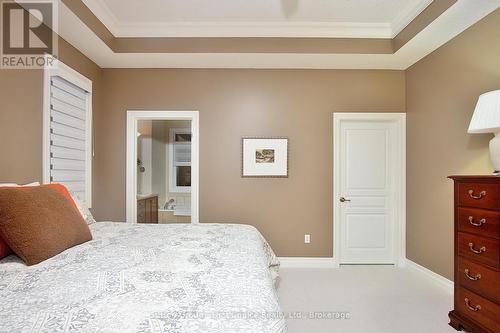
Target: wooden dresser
[477, 247]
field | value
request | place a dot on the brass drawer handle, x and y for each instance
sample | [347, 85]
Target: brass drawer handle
[481, 194]
[478, 224]
[472, 308]
[473, 278]
[481, 250]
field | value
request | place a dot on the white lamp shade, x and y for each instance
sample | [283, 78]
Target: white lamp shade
[486, 117]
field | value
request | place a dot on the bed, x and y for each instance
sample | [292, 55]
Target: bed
[147, 278]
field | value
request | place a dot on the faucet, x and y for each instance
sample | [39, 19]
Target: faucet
[170, 204]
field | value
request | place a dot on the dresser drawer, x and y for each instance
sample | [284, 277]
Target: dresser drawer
[478, 309]
[479, 221]
[479, 279]
[479, 195]
[478, 248]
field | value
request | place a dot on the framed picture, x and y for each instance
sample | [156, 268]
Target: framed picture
[264, 157]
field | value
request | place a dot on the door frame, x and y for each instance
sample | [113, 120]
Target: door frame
[133, 117]
[400, 216]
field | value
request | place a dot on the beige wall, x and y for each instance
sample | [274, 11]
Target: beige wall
[21, 115]
[442, 90]
[234, 103]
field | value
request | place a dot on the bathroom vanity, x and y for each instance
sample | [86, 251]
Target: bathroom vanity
[147, 208]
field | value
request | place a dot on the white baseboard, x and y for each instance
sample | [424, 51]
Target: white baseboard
[439, 279]
[308, 262]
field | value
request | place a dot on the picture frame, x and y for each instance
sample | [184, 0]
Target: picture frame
[264, 157]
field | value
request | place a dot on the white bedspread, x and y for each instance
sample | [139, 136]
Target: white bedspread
[147, 278]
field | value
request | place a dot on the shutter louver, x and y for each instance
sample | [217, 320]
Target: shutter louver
[68, 105]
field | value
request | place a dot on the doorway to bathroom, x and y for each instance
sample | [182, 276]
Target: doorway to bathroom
[162, 167]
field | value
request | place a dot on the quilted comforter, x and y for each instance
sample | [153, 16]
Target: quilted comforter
[147, 278]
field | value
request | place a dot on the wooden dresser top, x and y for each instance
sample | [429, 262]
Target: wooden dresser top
[488, 178]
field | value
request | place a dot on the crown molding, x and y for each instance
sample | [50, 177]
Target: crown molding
[104, 14]
[408, 15]
[256, 29]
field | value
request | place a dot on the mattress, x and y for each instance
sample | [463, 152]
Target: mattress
[147, 278]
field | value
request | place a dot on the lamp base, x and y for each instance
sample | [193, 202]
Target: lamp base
[495, 153]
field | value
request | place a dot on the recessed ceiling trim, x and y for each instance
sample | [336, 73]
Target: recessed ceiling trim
[102, 12]
[280, 45]
[455, 20]
[408, 15]
[257, 29]
[226, 44]
[253, 45]
[429, 14]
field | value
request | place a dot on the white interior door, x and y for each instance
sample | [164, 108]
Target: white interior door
[369, 179]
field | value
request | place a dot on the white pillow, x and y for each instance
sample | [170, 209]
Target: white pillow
[17, 185]
[83, 208]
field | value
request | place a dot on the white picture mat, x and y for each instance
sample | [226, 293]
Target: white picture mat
[280, 165]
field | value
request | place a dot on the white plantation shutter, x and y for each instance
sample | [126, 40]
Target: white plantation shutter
[69, 137]
[182, 153]
[179, 157]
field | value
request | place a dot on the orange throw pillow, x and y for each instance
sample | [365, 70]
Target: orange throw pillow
[38, 222]
[64, 191]
[4, 248]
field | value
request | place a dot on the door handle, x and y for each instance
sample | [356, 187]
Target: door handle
[342, 199]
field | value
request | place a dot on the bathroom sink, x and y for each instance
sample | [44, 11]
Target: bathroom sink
[146, 196]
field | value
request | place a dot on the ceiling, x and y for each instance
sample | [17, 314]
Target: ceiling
[217, 18]
[274, 34]
[381, 11]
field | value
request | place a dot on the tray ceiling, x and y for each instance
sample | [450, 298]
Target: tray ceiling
[257, 18]
[320, 34]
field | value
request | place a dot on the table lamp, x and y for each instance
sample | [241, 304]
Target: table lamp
[486, 119]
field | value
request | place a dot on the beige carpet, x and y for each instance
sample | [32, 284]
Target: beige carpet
[376, 299]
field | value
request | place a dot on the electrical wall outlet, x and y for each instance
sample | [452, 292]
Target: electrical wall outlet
[307, 239]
